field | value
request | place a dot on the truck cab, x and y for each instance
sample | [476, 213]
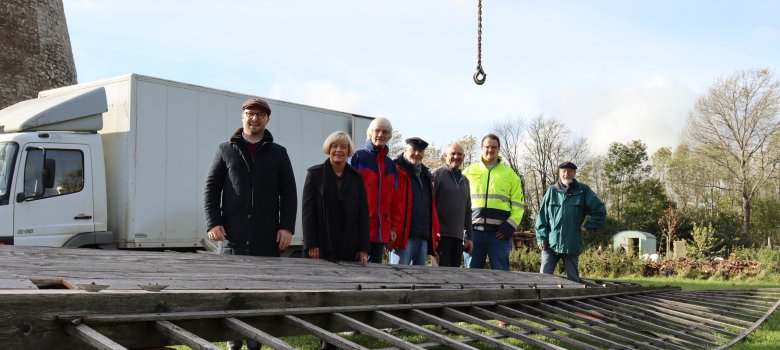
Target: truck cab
[52, 191]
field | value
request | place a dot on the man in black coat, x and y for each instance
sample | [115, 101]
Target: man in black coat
[250, 196]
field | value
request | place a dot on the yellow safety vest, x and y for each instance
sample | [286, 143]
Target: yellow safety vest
[496, 196]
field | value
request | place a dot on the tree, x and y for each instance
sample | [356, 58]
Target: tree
[546, 144]
[625, 164]
[396, 144]
[669, 222]
[732, 126]
[703, 240]
[660, 161]
[434, 157]
[644, 202]
[471, 149]
[511, 134]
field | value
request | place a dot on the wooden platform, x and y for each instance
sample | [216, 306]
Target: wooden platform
[24, 267]
[212, 298]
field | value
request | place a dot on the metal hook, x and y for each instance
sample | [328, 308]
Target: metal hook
[479, 76]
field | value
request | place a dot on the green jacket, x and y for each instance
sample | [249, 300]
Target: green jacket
[562, 213]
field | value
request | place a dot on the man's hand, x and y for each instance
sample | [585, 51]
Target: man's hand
[217, 233]
[283, 237]
[362, 257]
[314, 253]
[500, 235]
[583, 230]
[468, 246]
[542, 247]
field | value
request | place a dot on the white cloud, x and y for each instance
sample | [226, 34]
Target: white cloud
[319, 93]
[653, 112]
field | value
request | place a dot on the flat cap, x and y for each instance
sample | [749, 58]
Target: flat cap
[257, 103]
[567, 165]
[417, 143]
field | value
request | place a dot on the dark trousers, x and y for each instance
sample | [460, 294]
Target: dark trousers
[377, 253]
[238, 344]
[450, 251]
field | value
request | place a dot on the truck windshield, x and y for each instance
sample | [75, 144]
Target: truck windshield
[7, 158]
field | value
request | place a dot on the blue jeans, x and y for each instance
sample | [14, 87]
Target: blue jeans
[570, 264]
[414, 254]
[486, 244]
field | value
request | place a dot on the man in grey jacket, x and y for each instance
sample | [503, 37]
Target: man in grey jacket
[453, 203]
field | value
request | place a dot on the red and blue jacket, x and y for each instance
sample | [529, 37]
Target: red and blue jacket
[381, 179]
[404, 200]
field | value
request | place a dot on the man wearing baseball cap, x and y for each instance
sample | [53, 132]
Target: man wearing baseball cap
[250, 196]
[561, 225]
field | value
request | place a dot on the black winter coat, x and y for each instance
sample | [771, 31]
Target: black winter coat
[252, 197]
[320, 205]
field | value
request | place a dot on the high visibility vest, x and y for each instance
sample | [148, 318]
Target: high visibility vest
[496, 196]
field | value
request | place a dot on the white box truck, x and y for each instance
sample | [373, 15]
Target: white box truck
[122, 162]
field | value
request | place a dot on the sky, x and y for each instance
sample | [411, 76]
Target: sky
[611, 71]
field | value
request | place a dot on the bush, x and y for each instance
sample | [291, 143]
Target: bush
[743, 263]
[525, 259]
[609, 264]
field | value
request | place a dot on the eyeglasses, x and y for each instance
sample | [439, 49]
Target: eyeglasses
[258, 115]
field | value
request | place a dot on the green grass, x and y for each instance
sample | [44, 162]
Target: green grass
[690, 284]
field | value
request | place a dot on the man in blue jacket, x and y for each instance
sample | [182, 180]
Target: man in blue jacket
[561, 224]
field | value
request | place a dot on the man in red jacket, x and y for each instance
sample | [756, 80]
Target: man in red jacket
[419, 221]
[381, 180]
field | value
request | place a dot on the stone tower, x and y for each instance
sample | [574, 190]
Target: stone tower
[35, 52]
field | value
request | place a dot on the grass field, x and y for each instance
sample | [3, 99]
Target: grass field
[767, 337]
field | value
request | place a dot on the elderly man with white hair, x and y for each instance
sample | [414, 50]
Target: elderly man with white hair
[381, 179]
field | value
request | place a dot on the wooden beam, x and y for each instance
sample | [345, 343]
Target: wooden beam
[570, 330]
[540, 331]
[93, 337]
[684, 316]
[324, 334]
[253, 333]
[501, 330]
[689, 309]
[613, 327]
[414, 328]
[182, 336]
[665, 326]
[631, 322]
[376, 333]
[462, 330]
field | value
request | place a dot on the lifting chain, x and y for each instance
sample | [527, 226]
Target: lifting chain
[479, 75]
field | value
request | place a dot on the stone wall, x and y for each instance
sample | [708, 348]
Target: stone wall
[35, 51]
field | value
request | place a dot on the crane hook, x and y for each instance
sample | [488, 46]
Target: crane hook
[479, 76]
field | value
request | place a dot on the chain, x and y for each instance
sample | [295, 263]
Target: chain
[479, 75]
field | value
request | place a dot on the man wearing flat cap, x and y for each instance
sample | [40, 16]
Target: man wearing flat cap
[561, 224]
[250, 197]
[418, 221]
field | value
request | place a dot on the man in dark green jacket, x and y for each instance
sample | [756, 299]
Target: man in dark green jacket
[561, 224]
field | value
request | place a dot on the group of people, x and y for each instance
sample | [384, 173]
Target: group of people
[358, 204]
